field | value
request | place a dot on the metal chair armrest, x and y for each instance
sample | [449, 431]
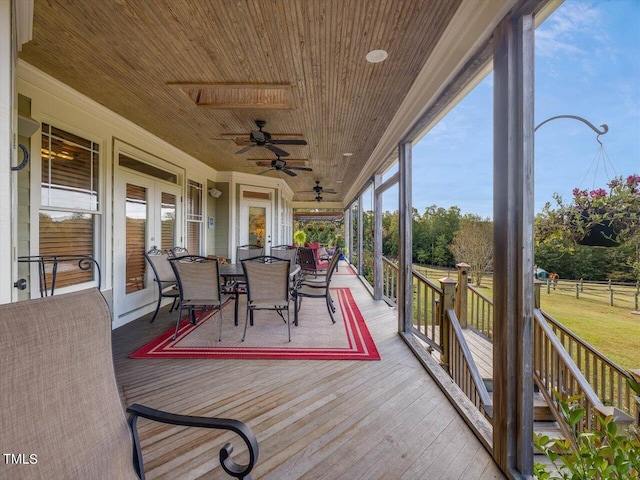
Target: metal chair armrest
[236, 426]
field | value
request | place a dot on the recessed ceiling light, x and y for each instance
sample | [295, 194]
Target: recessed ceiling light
[348, 154]
[338, 181]
[376, 56]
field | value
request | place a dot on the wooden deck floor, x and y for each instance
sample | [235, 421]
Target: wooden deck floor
[314, 419]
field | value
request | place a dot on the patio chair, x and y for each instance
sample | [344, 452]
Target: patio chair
[61, 407]
[308, 262]
[199, 286]
[248, 251]
[267, 287]
[286, 252]
[315, 289]
[165, 277]
[243, 252]
[177, 252]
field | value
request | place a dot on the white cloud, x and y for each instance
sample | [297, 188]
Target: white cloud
[561, 34]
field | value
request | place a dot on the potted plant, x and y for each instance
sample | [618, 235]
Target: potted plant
[595, 217]
[299, 237]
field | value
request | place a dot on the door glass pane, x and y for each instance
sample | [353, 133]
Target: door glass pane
[168, 221]
[136, 213]
[257, 225]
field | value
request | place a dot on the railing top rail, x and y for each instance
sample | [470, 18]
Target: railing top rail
[480, 294]
[585, 345]
[585, 386]
[481, 388]
[424, 279]
[385, 259]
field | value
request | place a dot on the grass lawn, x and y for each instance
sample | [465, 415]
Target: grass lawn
[614, 331]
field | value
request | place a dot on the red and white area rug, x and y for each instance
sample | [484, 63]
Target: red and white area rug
[315, 338]
[344, 269]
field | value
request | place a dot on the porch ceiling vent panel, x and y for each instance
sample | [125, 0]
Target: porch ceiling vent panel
[237, 95]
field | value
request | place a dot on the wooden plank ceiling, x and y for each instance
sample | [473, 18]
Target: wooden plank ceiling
[146, 60]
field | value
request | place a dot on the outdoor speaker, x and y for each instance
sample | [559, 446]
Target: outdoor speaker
[215, 193]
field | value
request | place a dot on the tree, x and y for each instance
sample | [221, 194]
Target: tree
[473, 244]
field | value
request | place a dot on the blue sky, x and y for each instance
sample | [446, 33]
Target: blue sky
[587, 64]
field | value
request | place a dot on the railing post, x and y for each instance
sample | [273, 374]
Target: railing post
[577, 292]
[462, 296]
[536, 293]
[448, 286]
[636, 376]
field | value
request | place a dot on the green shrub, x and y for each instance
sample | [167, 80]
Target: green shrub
[601, 454]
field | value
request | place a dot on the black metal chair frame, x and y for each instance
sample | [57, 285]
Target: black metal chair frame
[241, 472]
[174, 293]
[325, 285]
[85, 262]
[308, 263]
[177, 252]
[279, 310]
[193, 307]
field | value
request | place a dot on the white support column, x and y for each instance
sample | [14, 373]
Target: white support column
[513, 60]
[7, 151]
[360, 236]
[405, 287]
[377, 238]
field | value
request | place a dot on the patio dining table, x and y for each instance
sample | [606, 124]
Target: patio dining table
[233, 272]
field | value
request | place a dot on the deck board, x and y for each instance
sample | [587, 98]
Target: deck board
[314, 419]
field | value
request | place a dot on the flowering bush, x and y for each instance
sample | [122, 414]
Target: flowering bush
[595, 217]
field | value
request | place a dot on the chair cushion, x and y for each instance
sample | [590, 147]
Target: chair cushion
[322, 265]
[59, 394]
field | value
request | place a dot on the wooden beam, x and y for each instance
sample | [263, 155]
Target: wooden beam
[513, 213]
[405, 288]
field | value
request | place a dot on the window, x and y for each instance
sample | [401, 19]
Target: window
[194, 217]
[69, 209]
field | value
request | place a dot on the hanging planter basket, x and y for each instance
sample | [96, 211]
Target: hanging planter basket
[310, 228]
[600, 234]
[321, 228]
[332, 228]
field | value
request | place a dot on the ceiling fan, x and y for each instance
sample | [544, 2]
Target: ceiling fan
[318, 198]
[260, 138]
[280, 165]
[318, 190]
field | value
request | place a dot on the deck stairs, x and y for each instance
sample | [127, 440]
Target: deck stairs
[544, 423]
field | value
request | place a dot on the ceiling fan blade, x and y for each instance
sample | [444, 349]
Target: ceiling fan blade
[245, 149]
[258, 136]
[304, 169]
[289, 142]
[289, 172]
[279, 152]
[328, 191]
[265, 171]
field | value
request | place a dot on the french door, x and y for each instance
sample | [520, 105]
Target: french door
[255, 223]
[148, 214]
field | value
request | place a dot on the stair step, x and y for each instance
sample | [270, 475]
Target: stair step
[541, 410]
